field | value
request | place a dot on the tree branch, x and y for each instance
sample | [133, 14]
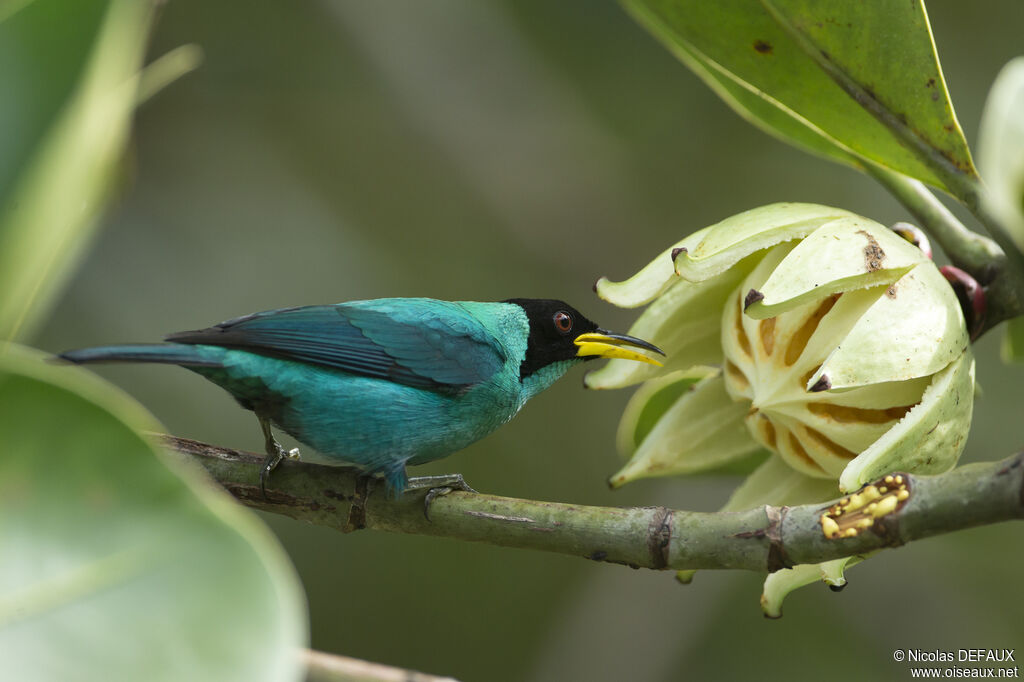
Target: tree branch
[765, 538]
[979, 256]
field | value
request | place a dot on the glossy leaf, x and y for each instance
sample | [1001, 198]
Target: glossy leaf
[812, 73]
[117, 568]
[68, 71]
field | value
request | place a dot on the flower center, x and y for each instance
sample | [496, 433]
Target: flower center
[770, 362]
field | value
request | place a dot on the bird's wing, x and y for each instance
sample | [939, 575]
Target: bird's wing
[417, 342]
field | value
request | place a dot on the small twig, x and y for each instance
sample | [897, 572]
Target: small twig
[323, 667]
[967, 250]
[766, 538]
[979, 256]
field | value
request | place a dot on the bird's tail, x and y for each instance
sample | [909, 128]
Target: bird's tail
[165, 353]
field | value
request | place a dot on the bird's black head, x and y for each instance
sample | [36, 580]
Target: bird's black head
[559, 332]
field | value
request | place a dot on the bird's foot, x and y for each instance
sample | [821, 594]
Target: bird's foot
[437, 486]
[357, 512]
[275, 455]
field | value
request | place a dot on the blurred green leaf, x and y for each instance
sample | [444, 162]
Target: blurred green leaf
[1001, 156]
[68, 71]
[1013, 341]
[1001, 150]
[779, 65]
[115, 568]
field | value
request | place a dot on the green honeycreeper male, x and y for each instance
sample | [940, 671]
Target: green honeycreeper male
[384, 383]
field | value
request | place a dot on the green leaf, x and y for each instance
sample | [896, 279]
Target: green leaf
[855, 82]
[1001, 155]
[68, 71]
[116, 568]
[1013, 341]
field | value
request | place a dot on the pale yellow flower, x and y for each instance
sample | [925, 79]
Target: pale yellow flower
[815, 344]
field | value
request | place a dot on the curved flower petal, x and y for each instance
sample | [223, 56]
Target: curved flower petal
[653, 279]
[730, 241]
[930, 438]
[844, 254]
[683, 322]
[650, 402]
[702, 430]
[779, 584]
[915, 329]
[777, 483]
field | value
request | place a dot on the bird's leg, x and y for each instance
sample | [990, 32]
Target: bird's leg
[438, 486]
[275, 453]
[357, 512]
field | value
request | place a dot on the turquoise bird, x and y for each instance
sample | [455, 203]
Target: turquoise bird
[385, 383]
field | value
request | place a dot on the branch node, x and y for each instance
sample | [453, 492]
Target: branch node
[777, 558]
[659, 534]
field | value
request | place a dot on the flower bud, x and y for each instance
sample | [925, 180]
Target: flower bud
[842, 349]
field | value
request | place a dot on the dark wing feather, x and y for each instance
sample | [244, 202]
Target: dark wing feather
[417, 342]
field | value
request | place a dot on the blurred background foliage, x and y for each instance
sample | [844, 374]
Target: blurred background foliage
[330, 150]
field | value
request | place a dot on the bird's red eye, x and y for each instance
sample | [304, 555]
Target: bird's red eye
[563, 322]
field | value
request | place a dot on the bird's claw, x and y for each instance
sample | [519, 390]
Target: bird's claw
[269, 464]
[437, 486]
[433, 493]
[275, 455]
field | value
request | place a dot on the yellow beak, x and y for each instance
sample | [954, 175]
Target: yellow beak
[604, 344]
